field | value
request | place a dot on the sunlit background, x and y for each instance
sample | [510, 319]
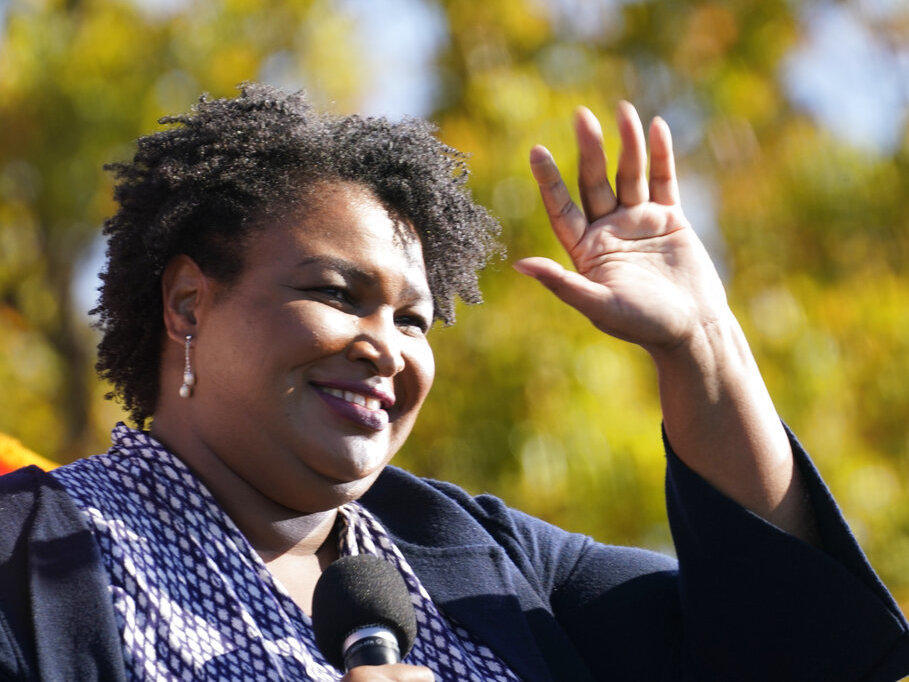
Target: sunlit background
[790, 120]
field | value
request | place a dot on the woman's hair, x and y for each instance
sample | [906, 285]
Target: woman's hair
[232, 166]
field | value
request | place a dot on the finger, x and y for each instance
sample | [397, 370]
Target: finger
[565, 217]
[597, 196]
[588, 297]
[664, 187]
[394, 672]
[630, 183]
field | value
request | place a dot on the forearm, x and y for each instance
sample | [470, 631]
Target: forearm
[721, 422]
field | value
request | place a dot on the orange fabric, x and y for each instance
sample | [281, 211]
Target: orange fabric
[14, 455]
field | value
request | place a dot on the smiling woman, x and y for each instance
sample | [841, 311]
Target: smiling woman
[315, 357]
[271, 278]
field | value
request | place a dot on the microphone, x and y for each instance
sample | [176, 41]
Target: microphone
[362, 613]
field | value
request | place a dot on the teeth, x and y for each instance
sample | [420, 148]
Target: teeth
[356, 398]
[352, 397]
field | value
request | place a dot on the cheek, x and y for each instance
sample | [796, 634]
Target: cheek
[425, 368]
[303, 332]
[259, 344]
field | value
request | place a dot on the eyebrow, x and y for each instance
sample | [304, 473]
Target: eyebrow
[350, 271]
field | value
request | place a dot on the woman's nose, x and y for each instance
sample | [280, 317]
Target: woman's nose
[378, 342]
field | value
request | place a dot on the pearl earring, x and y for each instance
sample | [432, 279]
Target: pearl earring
[189, 379]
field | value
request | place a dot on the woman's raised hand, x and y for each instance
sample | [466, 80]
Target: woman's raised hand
[642, 273]
[644, 276]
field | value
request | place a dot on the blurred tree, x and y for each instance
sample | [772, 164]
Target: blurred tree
[530, 403]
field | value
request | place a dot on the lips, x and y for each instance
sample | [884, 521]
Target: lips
[363, 405]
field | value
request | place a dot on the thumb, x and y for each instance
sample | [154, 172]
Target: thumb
[588, 297]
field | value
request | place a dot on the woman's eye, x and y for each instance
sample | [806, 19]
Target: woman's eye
[414, 321]
[334, 293]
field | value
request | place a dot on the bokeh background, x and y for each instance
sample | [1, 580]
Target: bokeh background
[790, 120]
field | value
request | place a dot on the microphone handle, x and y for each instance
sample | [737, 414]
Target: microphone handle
[371, 645]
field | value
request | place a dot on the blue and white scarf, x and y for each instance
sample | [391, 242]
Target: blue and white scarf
[193, 599]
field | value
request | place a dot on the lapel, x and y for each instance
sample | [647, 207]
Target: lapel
[471, 578]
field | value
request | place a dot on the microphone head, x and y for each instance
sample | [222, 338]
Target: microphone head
[357, 591]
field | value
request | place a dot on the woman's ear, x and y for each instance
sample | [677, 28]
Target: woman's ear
[184, 288]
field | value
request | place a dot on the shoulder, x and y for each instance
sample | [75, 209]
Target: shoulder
[35, 512]
[410, 503]
[429, 511]
[48, 559]
[20, 491]
[29, 499]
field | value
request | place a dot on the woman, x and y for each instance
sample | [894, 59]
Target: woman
[270, 281]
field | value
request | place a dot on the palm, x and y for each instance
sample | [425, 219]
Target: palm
[642, 273]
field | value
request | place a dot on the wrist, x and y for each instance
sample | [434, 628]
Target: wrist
[712, 390]
[714, 349]
[720, 419]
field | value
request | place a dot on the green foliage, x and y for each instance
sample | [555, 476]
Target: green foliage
[530, 402]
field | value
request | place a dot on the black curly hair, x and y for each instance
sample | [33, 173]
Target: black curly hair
[232, 166]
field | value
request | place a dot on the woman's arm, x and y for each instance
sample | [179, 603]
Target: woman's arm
[721, 422]
[644, 276]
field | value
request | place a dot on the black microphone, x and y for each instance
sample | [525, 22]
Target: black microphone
[362, 613]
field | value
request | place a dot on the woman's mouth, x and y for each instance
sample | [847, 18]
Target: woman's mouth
[351, 397]
[361, 409]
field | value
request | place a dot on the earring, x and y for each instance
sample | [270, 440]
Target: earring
[189, 379]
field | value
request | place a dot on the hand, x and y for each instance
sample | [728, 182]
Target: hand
[642, 273]
[399, 672]
[644, 276]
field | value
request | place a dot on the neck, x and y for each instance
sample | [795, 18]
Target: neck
[272, 529]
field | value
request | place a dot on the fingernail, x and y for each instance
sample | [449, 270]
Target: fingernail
[580, 112]
[539, 154]
[520, 267]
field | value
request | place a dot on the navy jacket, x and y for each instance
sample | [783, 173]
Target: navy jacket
[745, 601]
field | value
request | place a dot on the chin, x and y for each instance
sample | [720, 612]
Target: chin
[333, 495]
[352, 471]
[353, 465]
[350, 492]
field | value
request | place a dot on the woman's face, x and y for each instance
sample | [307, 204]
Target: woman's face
[312, 367]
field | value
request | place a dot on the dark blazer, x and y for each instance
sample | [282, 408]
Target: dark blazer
[745, 601]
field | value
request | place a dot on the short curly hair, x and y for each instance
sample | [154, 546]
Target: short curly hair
[230, 166]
